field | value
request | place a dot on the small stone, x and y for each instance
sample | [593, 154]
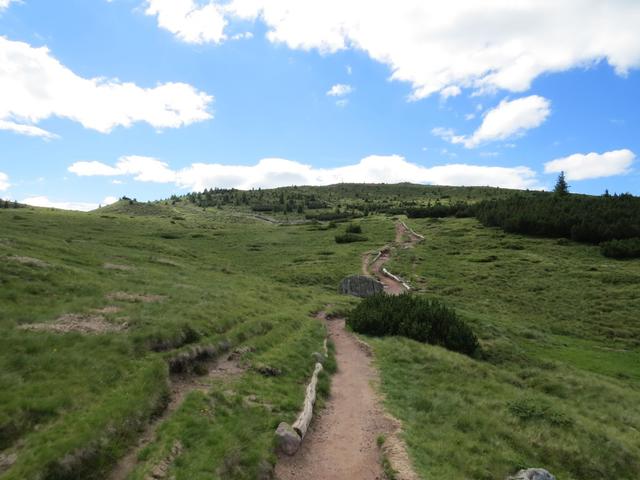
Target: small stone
[288, 439]
[533, 474]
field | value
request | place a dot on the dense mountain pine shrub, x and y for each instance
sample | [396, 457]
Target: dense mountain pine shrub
[415, 317]
[350, 238]
[354, 228]
[627, 248]
[580, 218]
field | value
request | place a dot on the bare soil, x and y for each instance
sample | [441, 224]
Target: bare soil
[30, 261]
[82, 323]
[114, 266]
[134, 297]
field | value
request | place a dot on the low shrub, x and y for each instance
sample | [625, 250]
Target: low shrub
[350, 238]
[415, 317]
[627, 248]
[354, 228]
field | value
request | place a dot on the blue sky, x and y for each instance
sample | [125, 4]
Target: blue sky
[147, 98]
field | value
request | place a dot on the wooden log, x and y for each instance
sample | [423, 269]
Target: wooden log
[411, 231]
[304, 419]
[396, 278]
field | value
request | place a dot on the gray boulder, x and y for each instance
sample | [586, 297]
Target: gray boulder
[360, 286]
[533, 474]
[287, 439]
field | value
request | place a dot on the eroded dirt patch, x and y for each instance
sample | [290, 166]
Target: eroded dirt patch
[115, 266]
[30, 261]
[75, 322]
[108, 310]
[134, 297]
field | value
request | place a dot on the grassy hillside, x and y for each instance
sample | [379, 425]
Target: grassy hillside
[557, 384]
[71, 403]
[560, 377]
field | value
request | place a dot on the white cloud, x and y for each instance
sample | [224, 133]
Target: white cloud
[242, 36]
[5, 4]
[144, 169]
[109, 200]
[190, 22]
[277, 172]
[29, 130]
[493, 44]
[42, 201]
[580, 166]
[340, 90]
[511, 118]
[450, 91]
[35, 86]
[4, 182]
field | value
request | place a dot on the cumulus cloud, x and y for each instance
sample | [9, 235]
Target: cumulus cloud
[340, 90]
[42, 201]
[580, 166]
[278, 172]
[4, 182]
[510, 118]
[144, 169]
[35, 86]
[189, 21]
[437, 46]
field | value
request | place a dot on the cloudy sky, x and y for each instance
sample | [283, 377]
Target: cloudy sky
[146, 98]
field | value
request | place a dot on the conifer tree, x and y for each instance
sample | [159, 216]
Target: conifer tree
[561, 188]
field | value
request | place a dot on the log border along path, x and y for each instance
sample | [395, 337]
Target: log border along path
[341, 443]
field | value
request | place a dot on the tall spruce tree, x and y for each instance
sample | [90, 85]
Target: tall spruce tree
[561, 188]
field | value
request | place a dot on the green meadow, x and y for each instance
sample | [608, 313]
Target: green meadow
[556, 383]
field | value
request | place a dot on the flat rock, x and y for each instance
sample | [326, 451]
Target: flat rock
[533, 474]
[360, 286]
[287, 438]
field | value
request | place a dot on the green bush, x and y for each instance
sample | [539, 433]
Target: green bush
[354, 228]
[628, 248]
[350, 238]
[418, 318]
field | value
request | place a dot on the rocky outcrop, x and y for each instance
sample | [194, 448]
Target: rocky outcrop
[533, 474]
[360, 286]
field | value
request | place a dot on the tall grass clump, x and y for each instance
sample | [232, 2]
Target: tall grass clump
[418, 318]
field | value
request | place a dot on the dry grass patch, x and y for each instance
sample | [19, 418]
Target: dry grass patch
[30, 261]
[114, 266]
[134, 297]
[74, 322]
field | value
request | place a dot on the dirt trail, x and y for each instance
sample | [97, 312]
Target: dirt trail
[342, 441]
[181, 386]
[405, 238]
